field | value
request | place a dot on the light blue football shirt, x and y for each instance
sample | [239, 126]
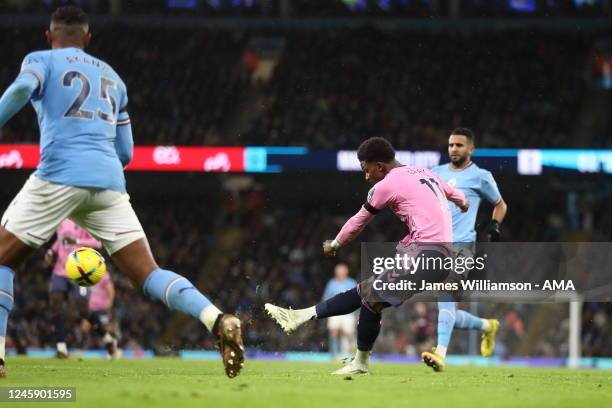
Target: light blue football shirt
[335, 286]
[79, 102]
[476, 184]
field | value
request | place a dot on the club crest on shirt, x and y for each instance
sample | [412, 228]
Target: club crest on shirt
[370, 194]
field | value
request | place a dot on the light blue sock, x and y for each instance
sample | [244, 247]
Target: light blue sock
[446, 321]
[179, 294]
[6, 297]
[467, 320]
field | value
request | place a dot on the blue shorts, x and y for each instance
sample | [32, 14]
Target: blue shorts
[64, 285]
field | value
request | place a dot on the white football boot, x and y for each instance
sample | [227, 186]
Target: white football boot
[359, 365]
[289, 319]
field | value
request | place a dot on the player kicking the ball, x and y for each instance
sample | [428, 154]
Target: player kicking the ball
[477, 184]
[419, 198]
[86, 141]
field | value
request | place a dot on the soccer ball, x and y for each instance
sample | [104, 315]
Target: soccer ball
[85, 266]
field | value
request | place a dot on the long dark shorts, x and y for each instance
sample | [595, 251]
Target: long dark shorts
[371, 289]
[64, 285]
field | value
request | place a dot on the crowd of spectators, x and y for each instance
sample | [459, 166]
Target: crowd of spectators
[181, 83]
[332, 88]
[322, 8]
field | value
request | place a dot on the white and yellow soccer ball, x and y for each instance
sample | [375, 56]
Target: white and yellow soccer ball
[85, 266]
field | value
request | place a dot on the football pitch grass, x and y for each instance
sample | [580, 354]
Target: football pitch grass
[169, 382]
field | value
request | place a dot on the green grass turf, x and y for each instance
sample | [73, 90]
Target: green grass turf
[174, 383]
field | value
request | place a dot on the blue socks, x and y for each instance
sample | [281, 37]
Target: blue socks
[341, 304]
[446, 322]
[448, 318]
[6, 297]
[178, 293]
[467, 320]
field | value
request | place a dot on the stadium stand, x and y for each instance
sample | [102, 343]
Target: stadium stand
[330, 89]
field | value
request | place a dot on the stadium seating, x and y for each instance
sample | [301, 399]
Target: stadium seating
[178, 94]
[333, 88]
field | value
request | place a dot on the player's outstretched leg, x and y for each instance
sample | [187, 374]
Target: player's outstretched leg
[446, 321]
[178, 293]
[488, 327]
[368, 329]
[289, 320]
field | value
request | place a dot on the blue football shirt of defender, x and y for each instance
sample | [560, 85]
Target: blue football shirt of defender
[334, 287]
[79, 102]
[476, 184]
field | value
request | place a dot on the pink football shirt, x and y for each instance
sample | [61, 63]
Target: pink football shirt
[418, 197]
[66, 232]
[100, 301]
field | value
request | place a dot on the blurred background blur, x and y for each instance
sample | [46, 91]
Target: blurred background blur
[304, 80]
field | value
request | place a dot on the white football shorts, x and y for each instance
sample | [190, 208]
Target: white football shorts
[344, 323]
[40, 206]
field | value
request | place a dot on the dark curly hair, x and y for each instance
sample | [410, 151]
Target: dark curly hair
[376, 149]
[464, 132]
[70, 16]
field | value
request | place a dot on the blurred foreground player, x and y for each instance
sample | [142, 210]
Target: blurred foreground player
[419, 198]
[477, 184]
[86, 141]
[70, 237]
[341, 328]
